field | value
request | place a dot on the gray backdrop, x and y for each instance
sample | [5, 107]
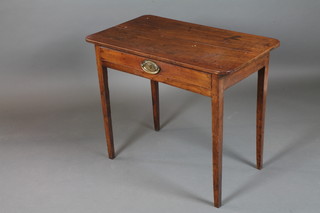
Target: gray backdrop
[52, 149]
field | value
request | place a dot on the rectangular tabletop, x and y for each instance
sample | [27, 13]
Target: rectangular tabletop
[193, 46]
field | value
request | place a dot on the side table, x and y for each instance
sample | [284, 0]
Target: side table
[193, 57]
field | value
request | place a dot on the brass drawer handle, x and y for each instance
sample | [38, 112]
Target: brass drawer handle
[150, 67]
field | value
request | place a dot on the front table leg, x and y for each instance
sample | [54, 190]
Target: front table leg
[105, 102]
[261, 108]
[217, 137]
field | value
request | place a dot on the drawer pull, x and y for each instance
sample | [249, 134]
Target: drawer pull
[150, 67]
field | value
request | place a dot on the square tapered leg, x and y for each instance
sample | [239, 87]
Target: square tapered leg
[261, 108]
[155, 104]
[217, 137]
[105, 103]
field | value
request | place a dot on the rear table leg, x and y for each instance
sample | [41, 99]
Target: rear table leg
[261, 108]
[155, 104]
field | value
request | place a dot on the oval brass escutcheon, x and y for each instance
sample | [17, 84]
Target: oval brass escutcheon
[150, 67]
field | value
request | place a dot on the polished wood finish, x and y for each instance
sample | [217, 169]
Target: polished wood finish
[155, 104]
[201, 59]
[194, 46]
[105, 102]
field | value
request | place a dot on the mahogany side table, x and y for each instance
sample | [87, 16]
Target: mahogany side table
[193, 57]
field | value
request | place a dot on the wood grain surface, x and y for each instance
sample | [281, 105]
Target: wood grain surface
[208, 49]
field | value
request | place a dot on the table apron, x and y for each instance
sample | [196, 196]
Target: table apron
[181, 77]
[246, 71]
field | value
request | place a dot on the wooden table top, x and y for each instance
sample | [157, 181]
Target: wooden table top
[194, 46]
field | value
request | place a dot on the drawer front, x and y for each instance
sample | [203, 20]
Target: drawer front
[192, 80]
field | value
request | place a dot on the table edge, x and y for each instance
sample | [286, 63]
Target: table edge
[178, 63]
